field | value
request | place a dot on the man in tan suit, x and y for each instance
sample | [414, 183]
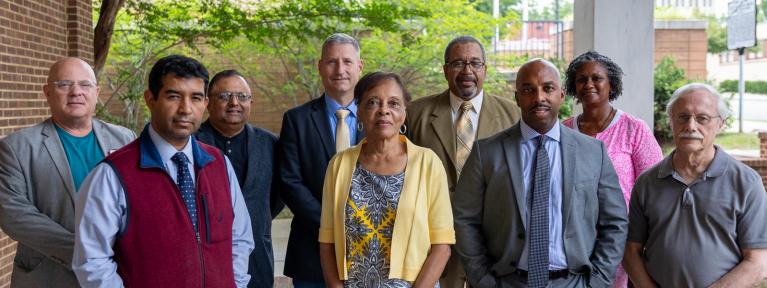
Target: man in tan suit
[450, 122]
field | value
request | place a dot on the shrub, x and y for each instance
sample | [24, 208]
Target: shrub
[667, 78]
[756, 87]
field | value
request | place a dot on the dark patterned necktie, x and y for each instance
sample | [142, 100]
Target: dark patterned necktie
[186, 186]
[538, 264]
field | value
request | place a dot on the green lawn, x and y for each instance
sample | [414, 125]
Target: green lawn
[727, 140]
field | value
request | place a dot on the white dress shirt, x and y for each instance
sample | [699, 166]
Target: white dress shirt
[476, 103]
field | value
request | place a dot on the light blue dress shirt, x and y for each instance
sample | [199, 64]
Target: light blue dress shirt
[351, 120]
[528, 149]
[101, 214]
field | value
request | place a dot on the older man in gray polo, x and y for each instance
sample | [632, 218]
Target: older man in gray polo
[699, 217]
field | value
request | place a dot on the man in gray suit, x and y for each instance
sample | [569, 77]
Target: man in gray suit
[436, 121]
[539, 204]
[41, 168]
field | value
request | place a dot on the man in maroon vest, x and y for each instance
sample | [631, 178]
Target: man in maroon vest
[165, 210]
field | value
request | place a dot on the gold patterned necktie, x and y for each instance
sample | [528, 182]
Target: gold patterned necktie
[465, 135]
[342, 130]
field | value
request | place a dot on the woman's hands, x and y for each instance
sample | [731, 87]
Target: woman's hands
[433, 266]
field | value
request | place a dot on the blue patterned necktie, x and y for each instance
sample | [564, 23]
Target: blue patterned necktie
[186, 186]
[538, 265]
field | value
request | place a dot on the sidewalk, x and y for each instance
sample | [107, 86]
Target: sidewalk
[280, 232]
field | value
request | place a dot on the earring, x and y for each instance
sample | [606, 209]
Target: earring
[403, 129]
[359, 126]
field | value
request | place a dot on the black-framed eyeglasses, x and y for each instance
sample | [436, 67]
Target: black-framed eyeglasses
[701, 119]
[68, 85]
[241, 96]
[460, 64]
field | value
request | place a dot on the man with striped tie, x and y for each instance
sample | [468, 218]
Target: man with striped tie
[450, 122]
[539, 204]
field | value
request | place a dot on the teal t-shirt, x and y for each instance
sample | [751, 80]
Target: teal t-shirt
[83, 154]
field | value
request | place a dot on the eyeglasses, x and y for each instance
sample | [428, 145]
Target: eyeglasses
[702, 119]
[458, 65]
[68, 85]
[241, 96]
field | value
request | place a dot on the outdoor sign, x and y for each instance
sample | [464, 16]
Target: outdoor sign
[741, 24]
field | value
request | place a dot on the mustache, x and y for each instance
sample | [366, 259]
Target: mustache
[183, 119]
[540, 106]
[466, 77]
[691, 135]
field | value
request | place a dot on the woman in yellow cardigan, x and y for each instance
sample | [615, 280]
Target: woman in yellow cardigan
[386, 216]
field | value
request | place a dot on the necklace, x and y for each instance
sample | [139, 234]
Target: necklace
[602, 126]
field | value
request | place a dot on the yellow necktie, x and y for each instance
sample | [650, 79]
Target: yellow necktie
[342, 130]
[465, 135]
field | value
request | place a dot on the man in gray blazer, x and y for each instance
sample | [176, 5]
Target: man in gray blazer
[539, 204]
[41, 168]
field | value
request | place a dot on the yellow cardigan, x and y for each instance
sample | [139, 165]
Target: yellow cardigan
[424, 216]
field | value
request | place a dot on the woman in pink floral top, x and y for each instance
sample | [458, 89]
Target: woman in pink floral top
[595, 80]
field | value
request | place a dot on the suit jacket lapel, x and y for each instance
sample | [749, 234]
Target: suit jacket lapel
[56, 151]
[445, 133]
[568, 167]
[489, 119]
[511, 150]
[106, 143]
[322, 126]
[254, 153]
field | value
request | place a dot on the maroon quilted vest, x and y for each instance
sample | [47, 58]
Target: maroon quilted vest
[159, 247]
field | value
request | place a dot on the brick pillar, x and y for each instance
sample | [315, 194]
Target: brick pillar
[763, 144]
[80, 30]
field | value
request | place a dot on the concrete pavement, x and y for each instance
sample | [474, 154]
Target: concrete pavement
[280, 233]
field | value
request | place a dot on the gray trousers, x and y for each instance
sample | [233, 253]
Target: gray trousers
[572, 281]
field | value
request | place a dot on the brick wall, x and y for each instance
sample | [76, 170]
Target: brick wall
[688, 47]
[33, 35]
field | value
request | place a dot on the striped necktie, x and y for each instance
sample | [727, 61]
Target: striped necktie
[464, 132]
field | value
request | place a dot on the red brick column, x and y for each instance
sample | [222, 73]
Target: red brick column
[33, 35]
[760, 165]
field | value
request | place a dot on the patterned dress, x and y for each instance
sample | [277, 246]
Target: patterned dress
[370, 213]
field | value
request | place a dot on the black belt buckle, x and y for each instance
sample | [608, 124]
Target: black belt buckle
[553, 274]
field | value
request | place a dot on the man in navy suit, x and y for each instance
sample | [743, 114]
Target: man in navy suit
[252, 152]
[311, 134]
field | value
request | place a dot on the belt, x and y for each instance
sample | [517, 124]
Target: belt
[553, 274]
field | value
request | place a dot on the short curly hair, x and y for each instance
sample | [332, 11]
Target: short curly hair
[614, 73]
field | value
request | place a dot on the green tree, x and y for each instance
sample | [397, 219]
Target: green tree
[667, 78]
[146, 30]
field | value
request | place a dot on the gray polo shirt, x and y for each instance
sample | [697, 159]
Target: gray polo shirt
[693, 234]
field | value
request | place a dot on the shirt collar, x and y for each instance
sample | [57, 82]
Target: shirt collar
[165, 149]
[528, 133]
[150, 145]
[476, 102]
[714, 169]
[331, 106]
